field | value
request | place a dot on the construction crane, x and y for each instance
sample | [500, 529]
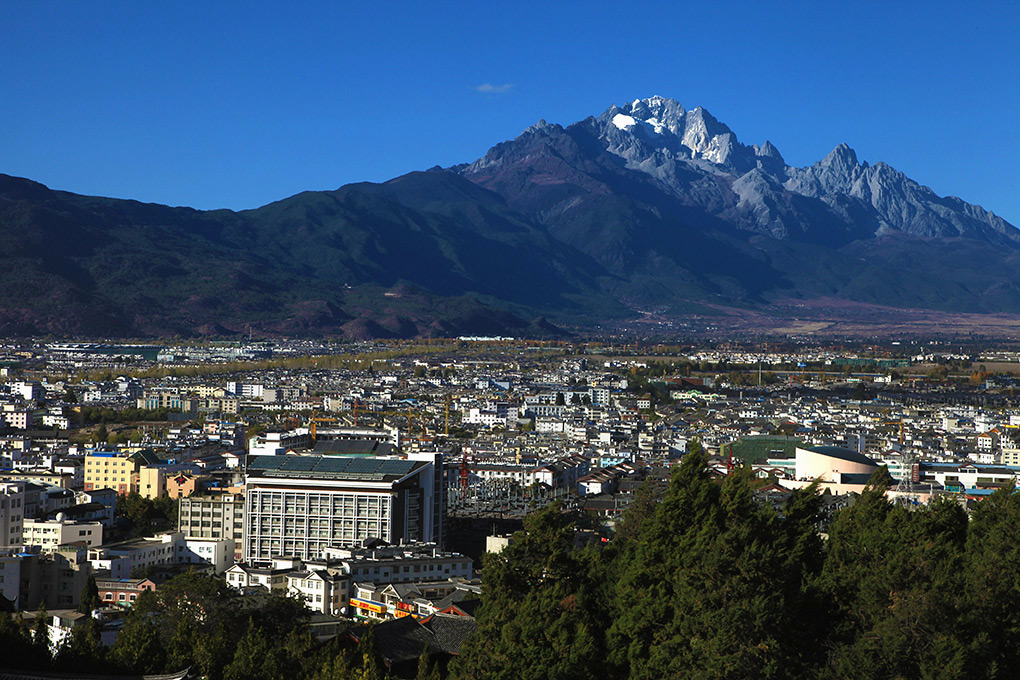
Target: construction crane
[312, 428]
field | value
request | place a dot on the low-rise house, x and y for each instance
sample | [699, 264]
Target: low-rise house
[322, 590]
[124, 591]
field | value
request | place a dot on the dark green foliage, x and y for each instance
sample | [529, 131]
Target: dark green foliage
[718, 586]
[41, 636]
[897, 578]
[702, 583]
[196, 620]
[543, 611]
[83, 652]
[138, 648]
[255, 658]
[89, 596]
[992, 566]
[147, 515]
[19, 649]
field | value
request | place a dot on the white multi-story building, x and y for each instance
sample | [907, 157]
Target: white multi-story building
[322, 590]
[170, 548]
[213, 516]
[28, 390]
[301, 505]
[18, 418]
[12, 513]
[277, 443]
[216, 552]
[50, 534]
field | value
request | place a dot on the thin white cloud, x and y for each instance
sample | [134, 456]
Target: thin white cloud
[489, 88]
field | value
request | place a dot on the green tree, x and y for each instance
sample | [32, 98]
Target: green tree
[371, 667]
[424, 665]
[138, 649]
[332, 666]
[83, 652]
[19, 650]
[543, 607]
[254, 659]
[718, 586]
[992, 578]
[895, 577]
[89, 599]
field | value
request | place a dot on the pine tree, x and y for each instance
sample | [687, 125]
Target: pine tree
[371, 667]
[138, 648]
[894, 577]
[542, 613]
[83, 651]
[424, 665]
[41, 636]
[254, 659]
[16, 643]
[718, 586]
[89, 599]
[993, 582]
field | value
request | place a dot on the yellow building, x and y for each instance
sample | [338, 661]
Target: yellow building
[152, 481]
[115, 470]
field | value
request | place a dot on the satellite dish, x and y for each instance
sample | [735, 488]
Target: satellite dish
[61, 517]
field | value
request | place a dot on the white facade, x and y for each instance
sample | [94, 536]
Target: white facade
[12, 513]
[48, 534]
[321, 591]
[301, 505]
[122, 559]
[207, 551]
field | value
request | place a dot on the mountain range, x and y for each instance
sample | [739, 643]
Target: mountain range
[648, 210]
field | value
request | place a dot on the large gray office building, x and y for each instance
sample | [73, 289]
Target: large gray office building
[298, 505]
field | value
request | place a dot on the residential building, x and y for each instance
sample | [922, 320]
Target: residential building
[400, 563]
[52, 580]
[213, 516]
[322, 590]
[48, 535]
[12, 513]
[116, 470]
[124, 591]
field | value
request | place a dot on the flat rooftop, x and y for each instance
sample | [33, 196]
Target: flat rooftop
[357, 468]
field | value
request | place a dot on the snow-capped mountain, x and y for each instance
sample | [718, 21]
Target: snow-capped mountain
[698, 160]
[646, 206]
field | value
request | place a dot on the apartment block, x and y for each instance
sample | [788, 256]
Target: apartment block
[48, 535]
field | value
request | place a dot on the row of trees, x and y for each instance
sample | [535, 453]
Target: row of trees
[196, 621]
[708, 583]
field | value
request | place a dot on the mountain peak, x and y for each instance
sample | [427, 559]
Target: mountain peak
[539, 126]
[842, 157]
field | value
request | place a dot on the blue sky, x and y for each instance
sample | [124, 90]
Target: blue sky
[219, 104]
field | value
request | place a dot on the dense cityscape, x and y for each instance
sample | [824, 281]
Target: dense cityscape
[329, 489]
